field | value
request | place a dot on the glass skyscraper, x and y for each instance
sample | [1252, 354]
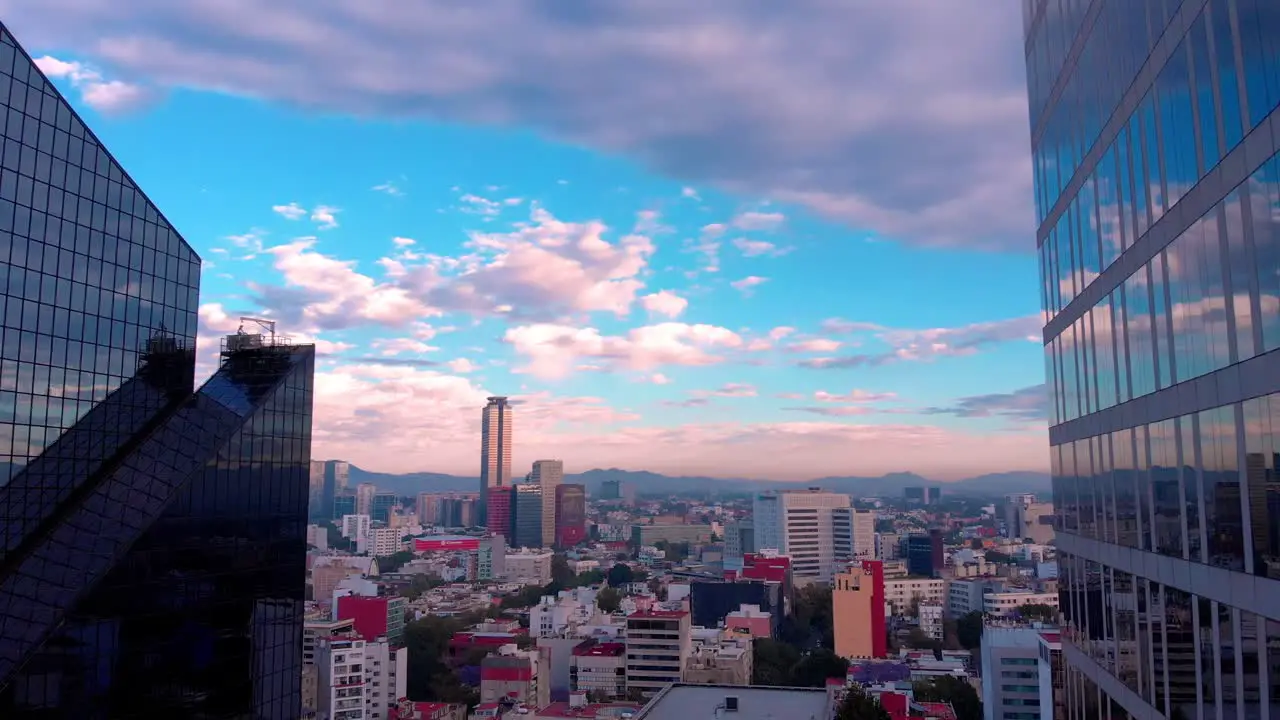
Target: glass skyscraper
[1154, 137]
[153, 557]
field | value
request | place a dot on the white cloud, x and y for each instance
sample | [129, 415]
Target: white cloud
[476, 205]
[691, 193]
[106, 96]
[853, 396]
[815, 345]
[324, 216]
[664, 302]
[292, 211]
[391, 347]
[659, 379]
[461, 365]
[389, 188]
[402, 241]
[753, 220]
[747, 284]
[553, 350]
[756, 248]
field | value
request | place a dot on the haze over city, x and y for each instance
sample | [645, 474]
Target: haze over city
[717, 248]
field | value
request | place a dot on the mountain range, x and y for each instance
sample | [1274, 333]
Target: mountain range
[409, 484]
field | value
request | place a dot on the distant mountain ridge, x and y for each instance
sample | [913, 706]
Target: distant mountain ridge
[651, 482]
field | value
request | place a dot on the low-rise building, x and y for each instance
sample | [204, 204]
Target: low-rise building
[901, 593]
[528, 567]
[1004, 604]
[658, 644]
[719, 664]
[599, 668]
[683, 702]
[750, 620]
[930, 619]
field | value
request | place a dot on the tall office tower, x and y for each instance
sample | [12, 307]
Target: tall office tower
[497, 435]
[381, 505]
[316, 506]
[526, 515]
[364, 498]
[548, 474]
[154, 538]
[864, 534]
[337, 475]
[428, 508]
[811, 526]
[1154, 138]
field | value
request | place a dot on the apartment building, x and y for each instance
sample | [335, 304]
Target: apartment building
[658, 645]
[341, 679]
[599, 667]
[813, 527]
[900, 593]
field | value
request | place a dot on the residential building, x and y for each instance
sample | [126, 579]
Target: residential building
[711, 602]
[751, 621]
[526, 516]
[341, 683]
[858, 610]
[929, 616]
[413, 710]
[888, 546]
[1024, 518]
[727, 663]
[658, 645]
[1010, 672]
[1175, 153]
[864, 534]
[117, 476]
[571, 515]
[812, 527]
[491, 559]
[548, 475]
[599, 667]
[1003, 604]
[373, 617]
[966, 595]
[386, 676]
[428, 508]
[901, 593]
[511, 674]
[497, 438]
[337, 478]
[682, 702]
[528, 567]
[925, 553]
[385, 541]
[642, 535]
[315, 628]
[356, 529]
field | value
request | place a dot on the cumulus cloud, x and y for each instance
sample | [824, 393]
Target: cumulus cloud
[477, 205]
[659, 379]
[915, 345]
[849, 108]
[105, 96]
[814, 345]
[402, 242]
[664, 302]
[1030, 404]
[325, 216]
[553, 350]
[461, 365]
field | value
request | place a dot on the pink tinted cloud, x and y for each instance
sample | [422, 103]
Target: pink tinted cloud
[552, 350]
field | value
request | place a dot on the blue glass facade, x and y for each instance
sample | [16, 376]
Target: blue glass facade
[1154, 134]
[153, 538]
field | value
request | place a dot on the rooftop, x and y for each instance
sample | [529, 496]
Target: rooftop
[685, 702]
[590, 711]
[660, 614]
[610, 649]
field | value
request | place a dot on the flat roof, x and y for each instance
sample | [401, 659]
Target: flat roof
[665, 614]
[682, 702]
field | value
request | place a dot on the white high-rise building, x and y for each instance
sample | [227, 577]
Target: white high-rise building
[548, 474]
[386, 676]
[813, 527]
[341, 678]
[497, 438]
[864, 534]
[356, 529]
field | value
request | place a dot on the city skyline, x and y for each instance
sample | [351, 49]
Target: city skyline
[815, 291]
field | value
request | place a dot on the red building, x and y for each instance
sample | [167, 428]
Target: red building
[374, 617]
[499, 518]
[446, 543]
[571, 515]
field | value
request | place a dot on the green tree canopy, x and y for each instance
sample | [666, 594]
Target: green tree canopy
[969, 630]
[608, 600]
[619, 575]
[392, 563]
[949, 689]
[1039, 611]
[560, 570]
[858, 705]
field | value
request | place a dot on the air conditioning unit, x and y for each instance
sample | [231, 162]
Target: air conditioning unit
[731, 703]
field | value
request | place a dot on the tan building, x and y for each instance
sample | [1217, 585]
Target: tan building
[548, 475]
[901, 593]
[650, 534]
[658, 645]
[858, 609]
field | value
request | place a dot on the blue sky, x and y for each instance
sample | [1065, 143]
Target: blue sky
[675, 277]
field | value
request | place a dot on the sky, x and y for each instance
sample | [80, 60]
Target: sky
[736, 239]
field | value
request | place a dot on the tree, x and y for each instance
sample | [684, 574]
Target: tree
[949, 689]
[619, 575]
[589, 578]
[969, 630]
[811, 623]
[430, 679]
[772, 662]
[858, 705]
[608, 600]
[975, 543]
[916, 638]
[422, 583]
[818, 666]
[1038, 611]
[560, 570]
[392, 563]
